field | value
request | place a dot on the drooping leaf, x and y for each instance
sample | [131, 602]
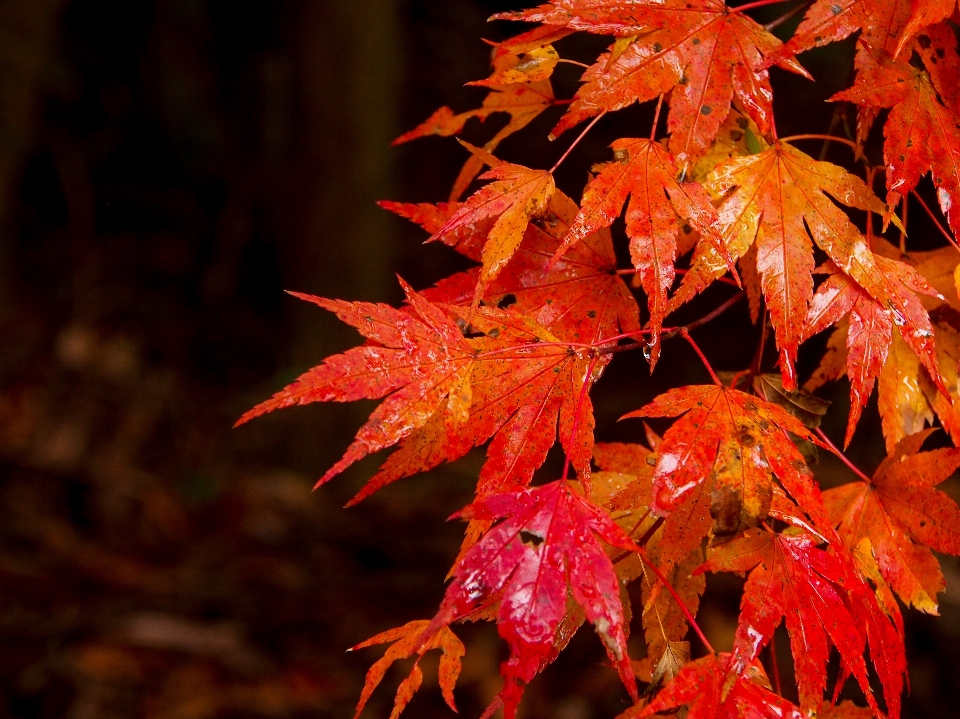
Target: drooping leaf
[405, 642]
[904, 516]
[780, 199]
[446, 393]
[646, 173]
[921, 133]
[791, 579]
[704, 53]
[868, 336]
[547, 545]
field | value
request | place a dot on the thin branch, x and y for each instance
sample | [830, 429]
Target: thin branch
[577, 141]
[703, 357]
[933, 217]
[753, 5]
[841, 456]
[775, 665]
[783, 18]
[691, 620]
[709, 317]
[656, 119]
[573, 62]
[817, 136]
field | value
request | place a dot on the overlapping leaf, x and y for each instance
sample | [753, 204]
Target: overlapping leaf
[517, 195]
[904, 517]
[921, 133]
[674, 546]
[405, 642]
[446, 393]
[780, 200]
[820, 599]
[703, 53]
[717, 687]
[580, 298]
[731, 445]
[869, 335]
[547, 545]
[646, 173]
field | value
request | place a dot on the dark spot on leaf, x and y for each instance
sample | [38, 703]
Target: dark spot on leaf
[705, 109]
[835, 9]
[696, 41]
[534, 540]
[657, 47]
[652, 461]
[923, 41]
[592, 314]
[736, 135]
[743, 123]
[507, 300]
[940, 53]
[495, 332]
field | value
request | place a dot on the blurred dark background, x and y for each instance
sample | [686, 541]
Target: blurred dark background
[167, 169]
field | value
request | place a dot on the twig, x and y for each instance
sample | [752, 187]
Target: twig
[703, 358]
[933, 217]
[841, 456]
[577, 141]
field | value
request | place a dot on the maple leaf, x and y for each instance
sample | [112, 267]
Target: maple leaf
[791, 579]
[517, 195]
[778, 200]
[449, 393]
[903, 516]
[706, 53]
[716, 687]
[732, 444]
[869, 335]
[580, 298]
[673, 543]
[908, 397]
[926, 13]
[921, 133]
[406, 641]
[517, 87]
[547, 542]
[646, 172]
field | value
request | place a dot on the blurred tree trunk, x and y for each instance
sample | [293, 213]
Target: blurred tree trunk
[346, 75]
[27, 34]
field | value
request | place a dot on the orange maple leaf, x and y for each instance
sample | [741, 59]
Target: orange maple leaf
[646, 173]
[706, 53]
[782, 200]
[405, 642]
[903, 516]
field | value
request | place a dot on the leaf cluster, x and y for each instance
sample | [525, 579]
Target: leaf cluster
[506, 354]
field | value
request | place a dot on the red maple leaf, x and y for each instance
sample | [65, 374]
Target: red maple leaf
[904, 516]
[823, 603]
[406, 641]
[733, 445]
[646, 173]
[546, 546]
[446, 393]
[870, 332]
[921, 133]
[717, 687]
[705, 52]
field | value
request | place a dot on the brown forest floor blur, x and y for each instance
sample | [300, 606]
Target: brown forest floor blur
[167, 168]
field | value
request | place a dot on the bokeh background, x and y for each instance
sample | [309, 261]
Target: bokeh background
[167, 169]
